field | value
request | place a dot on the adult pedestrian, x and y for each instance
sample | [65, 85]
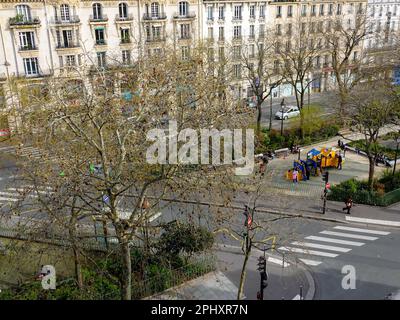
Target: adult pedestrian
[349, 203]
[340, 160]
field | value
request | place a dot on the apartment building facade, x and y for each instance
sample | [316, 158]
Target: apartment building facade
[48, 37]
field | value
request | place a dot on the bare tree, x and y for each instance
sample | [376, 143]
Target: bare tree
[95, 124]
[372, 106]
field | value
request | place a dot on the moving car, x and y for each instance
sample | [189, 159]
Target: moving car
[288, 112]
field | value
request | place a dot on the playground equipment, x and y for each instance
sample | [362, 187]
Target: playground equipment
[327, 157]
[324, 158]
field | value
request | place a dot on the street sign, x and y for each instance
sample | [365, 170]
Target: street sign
[4, 132]
[106, 199]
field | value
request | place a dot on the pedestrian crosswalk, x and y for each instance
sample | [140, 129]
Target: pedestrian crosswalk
[330, 244]
[24, 151]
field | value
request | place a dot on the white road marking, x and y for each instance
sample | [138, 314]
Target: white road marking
[8, 199]
[374, 221]
[310, 262]
[348, 235]
[338, 241]
[278, 261]
[382, 233]
[320, 246]
[310, 252]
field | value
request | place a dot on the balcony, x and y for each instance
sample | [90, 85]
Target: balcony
[21, 21]
[278, 15]
[237, 38]
[101, 42]
[128, 18]
[188, 15]
[71, 45]
[102, 18]
[160, 16]
[125, 41]
[185, 37]
[60, 21]
[28, 48]
[155, 39]
[237, 19]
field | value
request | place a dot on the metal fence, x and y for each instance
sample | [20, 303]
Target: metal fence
[169, 278]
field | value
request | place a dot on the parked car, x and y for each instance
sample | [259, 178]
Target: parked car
[288, 112]
[393, 296]
[250, 102]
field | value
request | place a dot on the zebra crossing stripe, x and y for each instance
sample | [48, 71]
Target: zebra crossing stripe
[8, 199]
[374, 221]
[382, 233]
[338, 241]
[348, 235]
[320, 246]
[310, 262]
[310, 252]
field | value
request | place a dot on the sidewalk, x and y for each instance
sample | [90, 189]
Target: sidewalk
[283, 282]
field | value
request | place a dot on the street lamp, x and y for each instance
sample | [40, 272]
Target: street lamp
[282, 109]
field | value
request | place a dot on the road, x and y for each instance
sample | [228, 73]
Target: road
[324, 247]
[326, 100]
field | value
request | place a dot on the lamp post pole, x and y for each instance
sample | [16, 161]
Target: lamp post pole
[282, 106]
[395, 157]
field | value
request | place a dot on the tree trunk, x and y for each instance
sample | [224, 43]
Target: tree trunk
[126, 287]
[259, 113]
[371, 172]
[243, 274]
[75, 249]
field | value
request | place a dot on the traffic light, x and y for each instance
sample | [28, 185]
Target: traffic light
[262, 265]
[264, 279]
[325, 177]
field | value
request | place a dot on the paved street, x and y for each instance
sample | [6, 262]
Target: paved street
[326, 100]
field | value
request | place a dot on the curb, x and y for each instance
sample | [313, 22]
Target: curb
[311, 282]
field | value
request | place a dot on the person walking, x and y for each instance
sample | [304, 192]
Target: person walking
[349, 204]
[295, 175]
[340, 160]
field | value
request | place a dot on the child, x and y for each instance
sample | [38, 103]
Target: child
[294, 175]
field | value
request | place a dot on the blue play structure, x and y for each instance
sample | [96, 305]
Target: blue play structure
[304, 166]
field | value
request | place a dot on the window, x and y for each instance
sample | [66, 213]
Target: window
[31, 66]
[24, 11]
[276, 66]
[355, 56]
[70, 61]
[252, 11]
[185, 52]
[304, 10]
[155, 10]
[261, 30]
[237, 32]
[350, 8]
[288, 46]
[101, 59]
[279, 11]
[313, 9]
[64, 39]
[289, 29]
[126, 57]
[278, 29]
[221, 33]
[312, 27]
[210, 33]
[65, 12]
[221, 13]
[289, 11]
[395, 10]
[237, 71]
[360, 8]
[237, 52]
[320, 26]
[330, 9]
[99, 34]
[262, 11]
[125, 37]
[210, 13]
[303, 27]
[27, 40]
[238, 13]
[156, 30]
[252, 35]
[183, 8]
[185, 31]
[321, 10]
[339, 9]
[97, 11]
[123, 10]
[251, 51]
[221, 53]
